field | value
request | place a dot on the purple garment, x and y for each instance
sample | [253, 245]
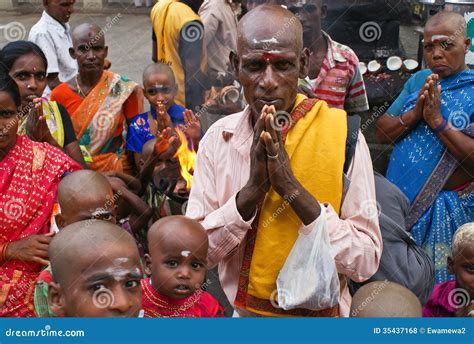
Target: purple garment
[439, 305]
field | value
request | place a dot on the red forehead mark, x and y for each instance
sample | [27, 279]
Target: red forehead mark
[269, 57]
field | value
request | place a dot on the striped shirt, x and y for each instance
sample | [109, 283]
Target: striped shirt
[340, 82]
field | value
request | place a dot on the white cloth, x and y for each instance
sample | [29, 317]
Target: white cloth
[55, 40]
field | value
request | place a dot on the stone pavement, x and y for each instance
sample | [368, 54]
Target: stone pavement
[127, 35]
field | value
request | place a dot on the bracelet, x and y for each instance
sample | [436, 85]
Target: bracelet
[440, 128]
[402, 122]
[3, 253]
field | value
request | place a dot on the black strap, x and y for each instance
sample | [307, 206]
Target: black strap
[353, 126]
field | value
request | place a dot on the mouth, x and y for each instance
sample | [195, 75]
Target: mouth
[3, 135]
[268, 102]
[32, 97]
[182, 289]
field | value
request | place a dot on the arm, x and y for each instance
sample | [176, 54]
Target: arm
[190, 52]
[140, 212]
[355, 234]
[224, 223]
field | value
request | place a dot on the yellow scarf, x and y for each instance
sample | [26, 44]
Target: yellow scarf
[53, 120]
[316, 148]
[168, 17]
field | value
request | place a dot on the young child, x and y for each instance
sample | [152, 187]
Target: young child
[384, 299]
[160, 89]
[178, 252]
[96, 271]
[456, 298]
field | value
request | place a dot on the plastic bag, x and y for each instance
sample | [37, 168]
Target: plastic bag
[309, 276]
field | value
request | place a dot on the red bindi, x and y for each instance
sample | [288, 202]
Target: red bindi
[269, 57]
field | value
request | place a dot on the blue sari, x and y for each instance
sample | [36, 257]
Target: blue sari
[420, 165]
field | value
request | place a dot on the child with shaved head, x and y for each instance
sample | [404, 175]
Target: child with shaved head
[384, 299]
[456, 298]
[96, 271]
[177, 265]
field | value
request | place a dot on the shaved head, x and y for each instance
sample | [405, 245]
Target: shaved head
[158, 68]
[452, 20]
[77, 247]
[87, 32]
[277, 26]
[385, 299]
[84, 191]
[177, 227]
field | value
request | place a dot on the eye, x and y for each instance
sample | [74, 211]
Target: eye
[132, 284]
[283, 65]
[172, 263]
[40, 76]
[97, 286]
[197, 265]
[254, 66]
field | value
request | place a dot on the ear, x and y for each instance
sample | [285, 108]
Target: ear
[450, 265]
[106, 49]
[324, 11]
[304, 63]
[467, 45]
[60, 221]
[72, 53]
[234, 62]
[56, 300]
[147, 264]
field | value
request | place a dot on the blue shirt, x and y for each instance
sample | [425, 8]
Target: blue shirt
[139, 129]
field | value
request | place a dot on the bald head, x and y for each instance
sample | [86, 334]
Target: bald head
[158, 68]
[277, 27]
[87, 32]
[385, 299]
[178, 228]
[451, 21]
[77, 247]
[83, 192]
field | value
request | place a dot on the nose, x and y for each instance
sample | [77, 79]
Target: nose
[90, 54]
[161, 97]
[268, 81]
[121, 302]
[31, 83]
[184, 272]
[438, 52]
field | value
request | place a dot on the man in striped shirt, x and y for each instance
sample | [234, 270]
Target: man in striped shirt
[334, 74]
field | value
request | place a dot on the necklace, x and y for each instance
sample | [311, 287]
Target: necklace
[79, 89]
[165, 305]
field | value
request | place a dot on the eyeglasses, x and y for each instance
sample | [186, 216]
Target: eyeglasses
[152, 91]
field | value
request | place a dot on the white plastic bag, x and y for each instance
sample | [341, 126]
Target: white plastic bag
[309, 277]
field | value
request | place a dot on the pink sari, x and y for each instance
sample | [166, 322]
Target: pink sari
[29, 178]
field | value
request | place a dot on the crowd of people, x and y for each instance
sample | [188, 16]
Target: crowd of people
[113, 207]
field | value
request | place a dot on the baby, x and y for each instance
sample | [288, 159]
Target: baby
[178, 252]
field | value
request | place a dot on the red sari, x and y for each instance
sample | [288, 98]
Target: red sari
[29, 178]
[201, 304]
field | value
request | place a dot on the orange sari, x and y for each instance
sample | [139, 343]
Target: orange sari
[100, 116]
[29, 178]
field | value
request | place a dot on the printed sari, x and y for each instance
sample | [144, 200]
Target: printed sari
[99, 117]
[29, 178]
[420, 165]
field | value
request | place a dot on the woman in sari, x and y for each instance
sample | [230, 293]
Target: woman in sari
[101, 103]
[29, 176]
[27, 65]
[431, 123]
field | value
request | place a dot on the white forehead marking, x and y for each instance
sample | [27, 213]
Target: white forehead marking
[272, 40]
[185, 253]
[439, 38]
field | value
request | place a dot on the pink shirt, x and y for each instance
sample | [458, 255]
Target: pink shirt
[223, 168]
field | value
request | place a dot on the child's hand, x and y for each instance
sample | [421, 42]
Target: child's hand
[163, 118]
[192, 125]
[167, 144]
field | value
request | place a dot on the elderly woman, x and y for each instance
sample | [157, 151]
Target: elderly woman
[29, 176]
[431, 123]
